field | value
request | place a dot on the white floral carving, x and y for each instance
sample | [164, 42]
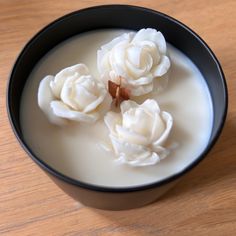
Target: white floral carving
[137, 57]
[72, 94]
[138, 134]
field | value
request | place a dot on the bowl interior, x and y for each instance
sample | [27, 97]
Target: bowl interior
[127, 17]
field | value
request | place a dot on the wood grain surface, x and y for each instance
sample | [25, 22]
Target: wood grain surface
[203, 203]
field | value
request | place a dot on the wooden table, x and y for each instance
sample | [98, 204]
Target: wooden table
[204, 203]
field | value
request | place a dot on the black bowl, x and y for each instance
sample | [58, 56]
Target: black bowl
[117, 16]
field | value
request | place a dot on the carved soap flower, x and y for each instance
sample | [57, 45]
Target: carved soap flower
[138, 134]
[138, 58]
[72, 94]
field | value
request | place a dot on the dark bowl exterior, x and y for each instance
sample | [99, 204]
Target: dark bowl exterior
[113, 200]
[117, 16]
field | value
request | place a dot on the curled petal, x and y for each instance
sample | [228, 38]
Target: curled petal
[66, 94]
[134, 55]
[126, 105]
[111, 119]
[103, 53]
[163, 67]
[137, 72]
[134, 72]
[169, 123]
[141, 81]
[123, 38]
[151, 35]
[60, 78]
[92, 106]
[158, 128]
[151, 105]
[152, 159]
[161, 151]
[45, 97]
[132, 151]
[117, 59]
[133, 154]
[62, 110]
[152, 49]
[103, 63]
[141, 90]
[131, 136]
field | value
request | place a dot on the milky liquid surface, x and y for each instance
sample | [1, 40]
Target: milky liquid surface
[75, 150]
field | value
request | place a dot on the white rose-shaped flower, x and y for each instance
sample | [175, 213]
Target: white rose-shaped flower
[137, 58]
[139, 133]
[72, 94]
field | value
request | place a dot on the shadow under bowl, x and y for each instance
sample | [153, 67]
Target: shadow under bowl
[126, 17]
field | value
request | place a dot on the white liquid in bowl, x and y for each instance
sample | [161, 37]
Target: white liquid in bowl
[75, 150]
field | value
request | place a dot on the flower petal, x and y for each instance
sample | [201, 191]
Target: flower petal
[124, 37]
[63, 111]
[111, 119]
[60, 78]
[132, 154]
[158, 127]
[130, 136]
[161, 151]
[141, 90]
[141, 81]
[169, 123]
[130, 150]
[103, 63]
[92, 106]
[83, 98]
[151, 35]
[162, 68]
[151, 48]
[134, 55]
[126, 105]
[104, 52]
[151, 159]
[139, 121]
[151, 105]
[117, 59]
[45, 97]
[138, 61]
[67, 94]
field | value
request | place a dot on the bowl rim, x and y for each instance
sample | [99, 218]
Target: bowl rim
[101, 188]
